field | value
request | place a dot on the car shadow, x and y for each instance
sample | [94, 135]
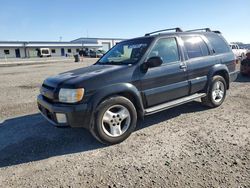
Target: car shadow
[31, 138]
[243, 79]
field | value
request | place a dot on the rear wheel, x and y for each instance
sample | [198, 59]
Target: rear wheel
[116, 119]
[217, 92]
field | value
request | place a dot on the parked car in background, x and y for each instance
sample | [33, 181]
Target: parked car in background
[239, 52]
[86, 53]
[43, 52]
[140, 77]
[96, 54]
[245, 65]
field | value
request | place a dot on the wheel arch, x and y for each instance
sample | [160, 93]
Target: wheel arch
[126, 90]
[220, 70]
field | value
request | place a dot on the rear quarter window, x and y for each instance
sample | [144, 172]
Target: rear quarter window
[218, 43]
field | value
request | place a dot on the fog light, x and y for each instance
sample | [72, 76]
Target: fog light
[61, 118]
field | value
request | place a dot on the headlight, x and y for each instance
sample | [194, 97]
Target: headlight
[71, 95]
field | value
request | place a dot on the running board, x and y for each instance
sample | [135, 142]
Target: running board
[173, 103]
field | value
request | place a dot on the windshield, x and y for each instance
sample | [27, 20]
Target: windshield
[127, 52]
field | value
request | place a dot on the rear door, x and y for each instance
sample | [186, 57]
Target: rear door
[168, 81]
[199, 61]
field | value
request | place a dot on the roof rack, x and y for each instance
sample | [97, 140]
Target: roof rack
[202, 29]
[218, 32]
[177, 29]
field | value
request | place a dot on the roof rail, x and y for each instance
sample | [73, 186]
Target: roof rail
[218, 32]
[177, 29]
[202, 29]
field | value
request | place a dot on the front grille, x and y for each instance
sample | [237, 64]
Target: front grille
[48, 93]
[48, 87]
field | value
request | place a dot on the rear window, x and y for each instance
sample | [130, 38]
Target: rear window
[195, 46]
[218, 43]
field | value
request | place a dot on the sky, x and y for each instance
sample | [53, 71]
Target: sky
[66, 20]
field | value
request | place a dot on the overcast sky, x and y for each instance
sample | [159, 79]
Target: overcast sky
[48, 20]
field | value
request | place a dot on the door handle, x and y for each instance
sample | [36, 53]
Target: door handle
[183, 66]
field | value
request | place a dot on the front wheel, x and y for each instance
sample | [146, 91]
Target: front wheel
[116, 119]
[217, 92]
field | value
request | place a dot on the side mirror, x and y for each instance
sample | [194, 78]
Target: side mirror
[155, 61]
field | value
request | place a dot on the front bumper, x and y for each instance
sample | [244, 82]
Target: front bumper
[77, 115]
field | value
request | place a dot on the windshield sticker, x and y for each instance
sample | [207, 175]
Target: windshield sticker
[137, 45]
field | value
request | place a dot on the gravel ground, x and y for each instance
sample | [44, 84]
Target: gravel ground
[187, 146]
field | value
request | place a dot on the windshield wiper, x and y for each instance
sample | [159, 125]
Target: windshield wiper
[111, 63]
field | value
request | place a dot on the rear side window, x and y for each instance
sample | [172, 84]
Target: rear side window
[219, 44]
[195, 46]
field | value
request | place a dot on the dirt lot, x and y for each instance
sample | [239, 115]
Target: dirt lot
[187, 146]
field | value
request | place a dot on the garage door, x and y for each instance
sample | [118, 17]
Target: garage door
[106, 46]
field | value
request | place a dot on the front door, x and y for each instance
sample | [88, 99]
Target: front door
[168, 81]
[62, 52]
[17, 51]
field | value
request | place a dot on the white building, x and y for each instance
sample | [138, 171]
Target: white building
[23, 49]
[106, 43]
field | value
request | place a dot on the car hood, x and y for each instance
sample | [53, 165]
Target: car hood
[80, 77]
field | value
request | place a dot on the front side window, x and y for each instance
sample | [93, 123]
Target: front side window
[127, 52]
[167, 49]
[195, 46]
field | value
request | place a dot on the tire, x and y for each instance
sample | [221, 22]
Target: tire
[216, 92]
[115, 120]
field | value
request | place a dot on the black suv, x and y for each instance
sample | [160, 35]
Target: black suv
[139, 77]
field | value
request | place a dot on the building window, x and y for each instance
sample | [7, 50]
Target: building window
[69, 50]
[6, 52]
[53, 51]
